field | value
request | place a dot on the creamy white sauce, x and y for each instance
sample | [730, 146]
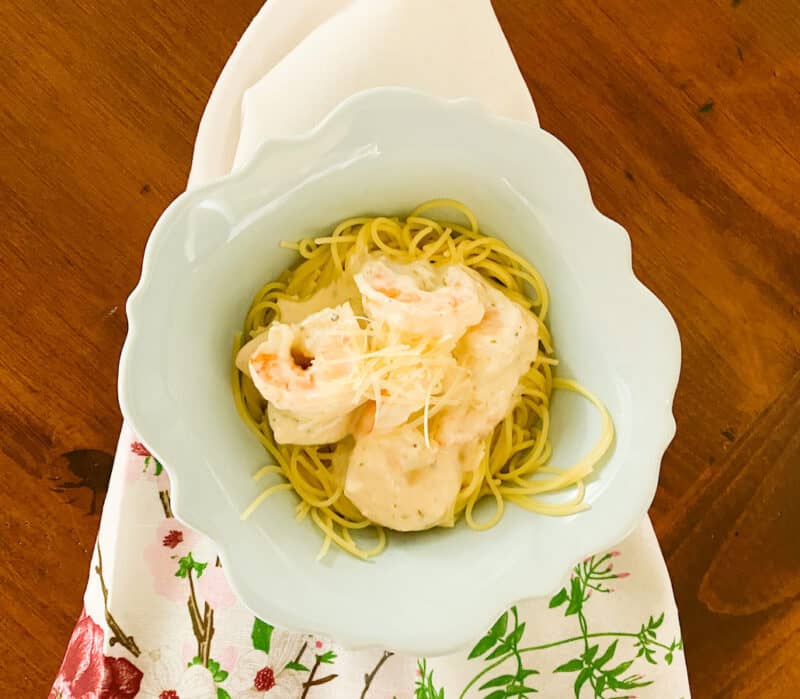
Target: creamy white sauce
[420, 388]
[496, 352]
[394, 479]
[290, 428]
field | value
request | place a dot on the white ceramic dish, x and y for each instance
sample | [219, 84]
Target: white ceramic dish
[383, 151]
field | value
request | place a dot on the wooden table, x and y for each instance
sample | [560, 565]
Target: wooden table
[686, 117]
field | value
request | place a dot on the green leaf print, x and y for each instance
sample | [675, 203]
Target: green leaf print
[559, 598]
[424, 688]
[261, 635]
[516, 635]
[188, 564]
[213, 666]
[504, 647]
[588, 656]
[596, 675]
[222, 694]
[500, 681]
[292, 665]
[327, 657]
[581, 679]
[157, 469]
[570, 666]
[603, 659]
[575, 597]
[500, 626]
[619, 669]
[482, 646]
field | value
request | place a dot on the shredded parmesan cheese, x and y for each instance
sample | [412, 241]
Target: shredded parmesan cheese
[426, 416]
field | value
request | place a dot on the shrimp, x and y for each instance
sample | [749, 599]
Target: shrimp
[507, 338]
[288, 428]
[398, 482]
[496, 352]
[308, 373]
[420, 300]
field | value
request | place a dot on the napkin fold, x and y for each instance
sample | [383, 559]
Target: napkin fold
[159, 618]
[298, 60]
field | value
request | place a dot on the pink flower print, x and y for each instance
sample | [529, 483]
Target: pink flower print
[140, 449]
[214, 588]
[150, 468]
[87, 672]
[623, 575]
[134, 466]
[175, 537]
[171, 541]
[321, 646]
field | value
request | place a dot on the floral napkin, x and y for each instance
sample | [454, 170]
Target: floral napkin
[159, 618]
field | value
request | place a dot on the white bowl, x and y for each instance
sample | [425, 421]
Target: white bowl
[383, 151]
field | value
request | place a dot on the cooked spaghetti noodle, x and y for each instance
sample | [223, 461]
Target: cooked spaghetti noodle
[514, 467]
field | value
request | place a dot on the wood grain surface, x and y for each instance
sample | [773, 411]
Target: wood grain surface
[686, 117]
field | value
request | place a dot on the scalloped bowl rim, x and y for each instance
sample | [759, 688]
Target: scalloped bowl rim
[436, 639]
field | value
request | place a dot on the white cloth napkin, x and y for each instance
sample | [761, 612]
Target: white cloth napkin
[298, 60]
[612, 632]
